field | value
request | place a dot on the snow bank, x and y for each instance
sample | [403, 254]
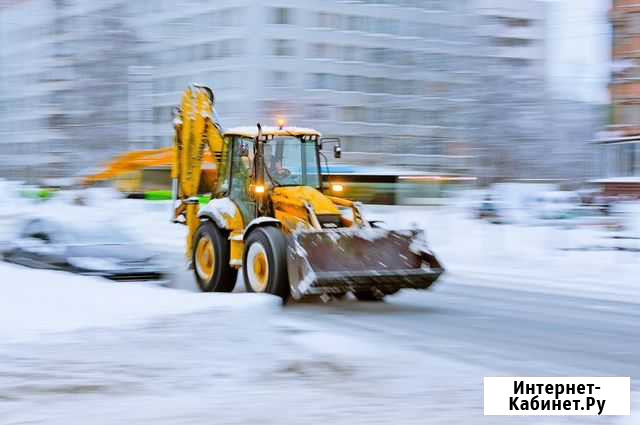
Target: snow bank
[631, 212]
[547, 259]
[34, 302]
[626, 179]
[12, 208]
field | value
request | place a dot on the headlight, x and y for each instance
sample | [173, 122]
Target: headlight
[92, 263]
[337, 187]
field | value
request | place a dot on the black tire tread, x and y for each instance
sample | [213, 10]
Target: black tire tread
[224, 276]
[276, 245]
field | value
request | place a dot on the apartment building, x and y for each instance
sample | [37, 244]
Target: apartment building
[389, 77]
[513, 33]
[512, 114]
[63, 85]
[620, 143]
[397, 80]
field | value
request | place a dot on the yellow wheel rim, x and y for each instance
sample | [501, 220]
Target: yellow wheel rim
[258, 267]
[205, 258]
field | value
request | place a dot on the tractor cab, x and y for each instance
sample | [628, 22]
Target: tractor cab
[264, 159]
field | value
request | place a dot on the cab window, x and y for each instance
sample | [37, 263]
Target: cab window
[242, 157]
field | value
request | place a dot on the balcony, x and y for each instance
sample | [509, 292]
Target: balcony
[623, 7]
[627, 48]
[625, 91]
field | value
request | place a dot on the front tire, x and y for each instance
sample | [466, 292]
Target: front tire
[211, 260]
[264, 262]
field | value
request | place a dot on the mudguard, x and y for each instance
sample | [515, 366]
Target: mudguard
[224, 213]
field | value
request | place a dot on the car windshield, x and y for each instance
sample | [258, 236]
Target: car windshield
[292, 161]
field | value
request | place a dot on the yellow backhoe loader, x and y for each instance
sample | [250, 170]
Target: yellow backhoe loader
[271, 217]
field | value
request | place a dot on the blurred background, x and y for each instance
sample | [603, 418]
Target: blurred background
[494, 89]
[509, 130]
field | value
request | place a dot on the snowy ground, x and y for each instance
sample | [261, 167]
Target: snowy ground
[517, 300]
[37, 302]
[549, 259]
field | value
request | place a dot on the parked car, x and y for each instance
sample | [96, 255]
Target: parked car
[556, 205]
[98, 249]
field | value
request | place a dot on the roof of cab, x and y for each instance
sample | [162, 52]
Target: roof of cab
[271, 131]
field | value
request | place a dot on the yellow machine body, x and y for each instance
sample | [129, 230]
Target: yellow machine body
[330, 247]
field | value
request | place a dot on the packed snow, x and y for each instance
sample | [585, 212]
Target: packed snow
[80, 349]
[221, 210]
[540, 257]
[37, 302]
[571, 260]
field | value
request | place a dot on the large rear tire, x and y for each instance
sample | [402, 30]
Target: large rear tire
[211, 252]
[264, 262]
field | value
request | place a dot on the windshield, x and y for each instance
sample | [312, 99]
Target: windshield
[291, 161]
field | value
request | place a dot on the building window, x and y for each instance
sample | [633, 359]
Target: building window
[282, 16]
[318, 81]
[516, 22]
[631, 114]
[350, 83]
[317, 111]
[512, 42]
[281, 47]
[279, 79]
[354, 114]
[633, 25]
[348, 53]
[377, 55]
[356, 23]
[328, 20]
[318, 50]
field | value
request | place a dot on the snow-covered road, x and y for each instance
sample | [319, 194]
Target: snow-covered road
[82, 350]
[418, 358]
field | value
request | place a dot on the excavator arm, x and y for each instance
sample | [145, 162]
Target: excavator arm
[196, 129]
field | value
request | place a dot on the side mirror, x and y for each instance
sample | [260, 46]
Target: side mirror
[337, 148]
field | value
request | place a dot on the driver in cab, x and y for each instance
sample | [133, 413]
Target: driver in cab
[275, 168]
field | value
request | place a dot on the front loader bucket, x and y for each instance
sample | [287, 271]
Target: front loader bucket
[366, 259]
